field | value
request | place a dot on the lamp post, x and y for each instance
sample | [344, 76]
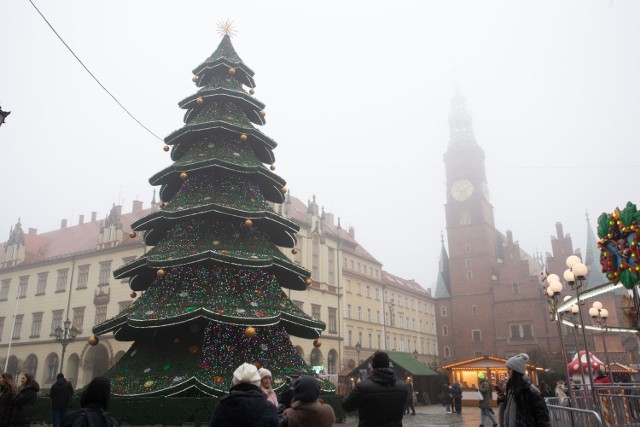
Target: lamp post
[358, 348]
[415, 353]
[599, 315]
[553, 290]
[64, 337]
[576, 277]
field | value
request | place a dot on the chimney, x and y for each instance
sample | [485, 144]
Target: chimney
[352, 232]
[93, 216]
[33, 231]
[119, 210]
[137, 206]
[329, 218]
[81, 220]
[63, 224]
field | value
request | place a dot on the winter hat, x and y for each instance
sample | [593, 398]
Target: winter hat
[380, 359]
[264, 372]
[246, 374]
[518, 363]
[480, 375]
[306, 389]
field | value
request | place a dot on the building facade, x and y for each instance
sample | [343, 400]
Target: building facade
[66, 274]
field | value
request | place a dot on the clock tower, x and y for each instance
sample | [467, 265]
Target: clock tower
[472, 241]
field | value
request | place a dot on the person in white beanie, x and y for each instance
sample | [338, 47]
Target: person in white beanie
[525, 404]
[265, 386]
[245, 405]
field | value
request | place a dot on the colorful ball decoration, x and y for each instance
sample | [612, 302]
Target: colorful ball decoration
[132, 234]
[93, 340]
[308, 282]
[194, 79]
[231, 71]
[133, 294]
[166, 147]
[160, 272]
[250, 332]
[243, 137]
[200, 100]
[619, 244]
[317, 343]
[248, 223]
[272, 167]
[183, 176]
[252, 91]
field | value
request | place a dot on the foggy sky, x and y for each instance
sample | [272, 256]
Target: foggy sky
[358, 96]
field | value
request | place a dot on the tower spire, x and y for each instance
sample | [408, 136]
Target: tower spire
[460, 122]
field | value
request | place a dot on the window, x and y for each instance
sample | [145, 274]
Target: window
[315, 257]
[476, 335]
[379, 341]
[469, 275]
[368, 315]
[344, 262]
[101, 314]
[521, 331]
[83, 276]
[467, 248]
[377, 294]
[52, 368]
[348, 311]
[4, 290]
[56, 321]
[333, 326]
[17, 327]
[370, 342]
[128, 259]
[467, 262]
[123, 305]
[447, 351]
[36, 325]
[42, 283]
[474, 310]
[61, 283]
[445, 330]
[349, 338]
[359, 313]
[443, 311]
[360, 338]
[395, 343]
[401, 344]
[515, 288]
[315, 311]
[400, 321]
[78, 318]
[1, 326]
[331, 266]
[22, 286]
[105, 273]
[368, 291]
[299, 304]
[378, 316]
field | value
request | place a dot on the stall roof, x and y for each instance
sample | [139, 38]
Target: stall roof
[483, 362]
[410, 363]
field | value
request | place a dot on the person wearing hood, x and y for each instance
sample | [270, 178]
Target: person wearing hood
[525, 405]
[245, 405]
[24, 404]
[265, 386]
[61, 393]
[484, 388]
[456, 395]
[380, 398]
[94, 403]
[307, 410]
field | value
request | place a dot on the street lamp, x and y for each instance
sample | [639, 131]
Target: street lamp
[576, 277]
[358, 348]
[64, 337]
[553, 290]
[415, 353]
[599, 315]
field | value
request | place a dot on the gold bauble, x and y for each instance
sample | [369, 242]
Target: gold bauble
[200, 100]
[132, 234]
[231, 71]
[166, 147]
[250, 332]
[263, 113]
[251, 91]
[93, 340]
[133, 295]
[284, 190]
[243, 137]
[294, 251]
[272, 167]
[308, 282]
[194, 79]
[163, 204]
[248, 223]
[317, 343]
[183, 176]
[160, 272]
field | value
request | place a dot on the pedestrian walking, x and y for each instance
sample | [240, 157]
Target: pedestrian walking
[380, 398]
[94, 403]
[561, 393]
[408, 407]
[245, 405]
[445, 397]
[484, 388]
[265, 386]
[456, 396]
[24, 403]
[61, 393]
[525, 405]
[307, 410]
[7, 393]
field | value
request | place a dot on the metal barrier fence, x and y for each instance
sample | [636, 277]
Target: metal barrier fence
[565, 416]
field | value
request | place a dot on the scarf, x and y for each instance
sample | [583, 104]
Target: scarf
[510, 410]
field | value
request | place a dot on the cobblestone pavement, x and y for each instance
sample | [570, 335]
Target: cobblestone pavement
[433, 415]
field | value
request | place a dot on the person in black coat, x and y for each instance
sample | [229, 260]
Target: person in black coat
[525, 404]
[24, 404]
[7, 393]
[380, 398]
[245, 405]
[61, 393]
[94, 403]
[456, 395]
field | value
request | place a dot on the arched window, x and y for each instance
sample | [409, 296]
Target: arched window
[447, 351]
[31, 364]
[52, 364]
[332, 358]
[443, 311]
[445, 330]
[316, 357]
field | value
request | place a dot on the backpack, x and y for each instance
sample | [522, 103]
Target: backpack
[90, 417]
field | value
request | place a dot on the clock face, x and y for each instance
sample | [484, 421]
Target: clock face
[462, 189]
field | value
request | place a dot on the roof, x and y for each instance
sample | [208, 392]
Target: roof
[483, 362]
[404, 284]
[409, 363]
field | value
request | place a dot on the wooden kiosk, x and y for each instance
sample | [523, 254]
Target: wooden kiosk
[465, 372]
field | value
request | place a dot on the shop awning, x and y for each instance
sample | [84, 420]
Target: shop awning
[410, 364]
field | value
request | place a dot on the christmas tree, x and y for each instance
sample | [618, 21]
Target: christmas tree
[213, 280]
